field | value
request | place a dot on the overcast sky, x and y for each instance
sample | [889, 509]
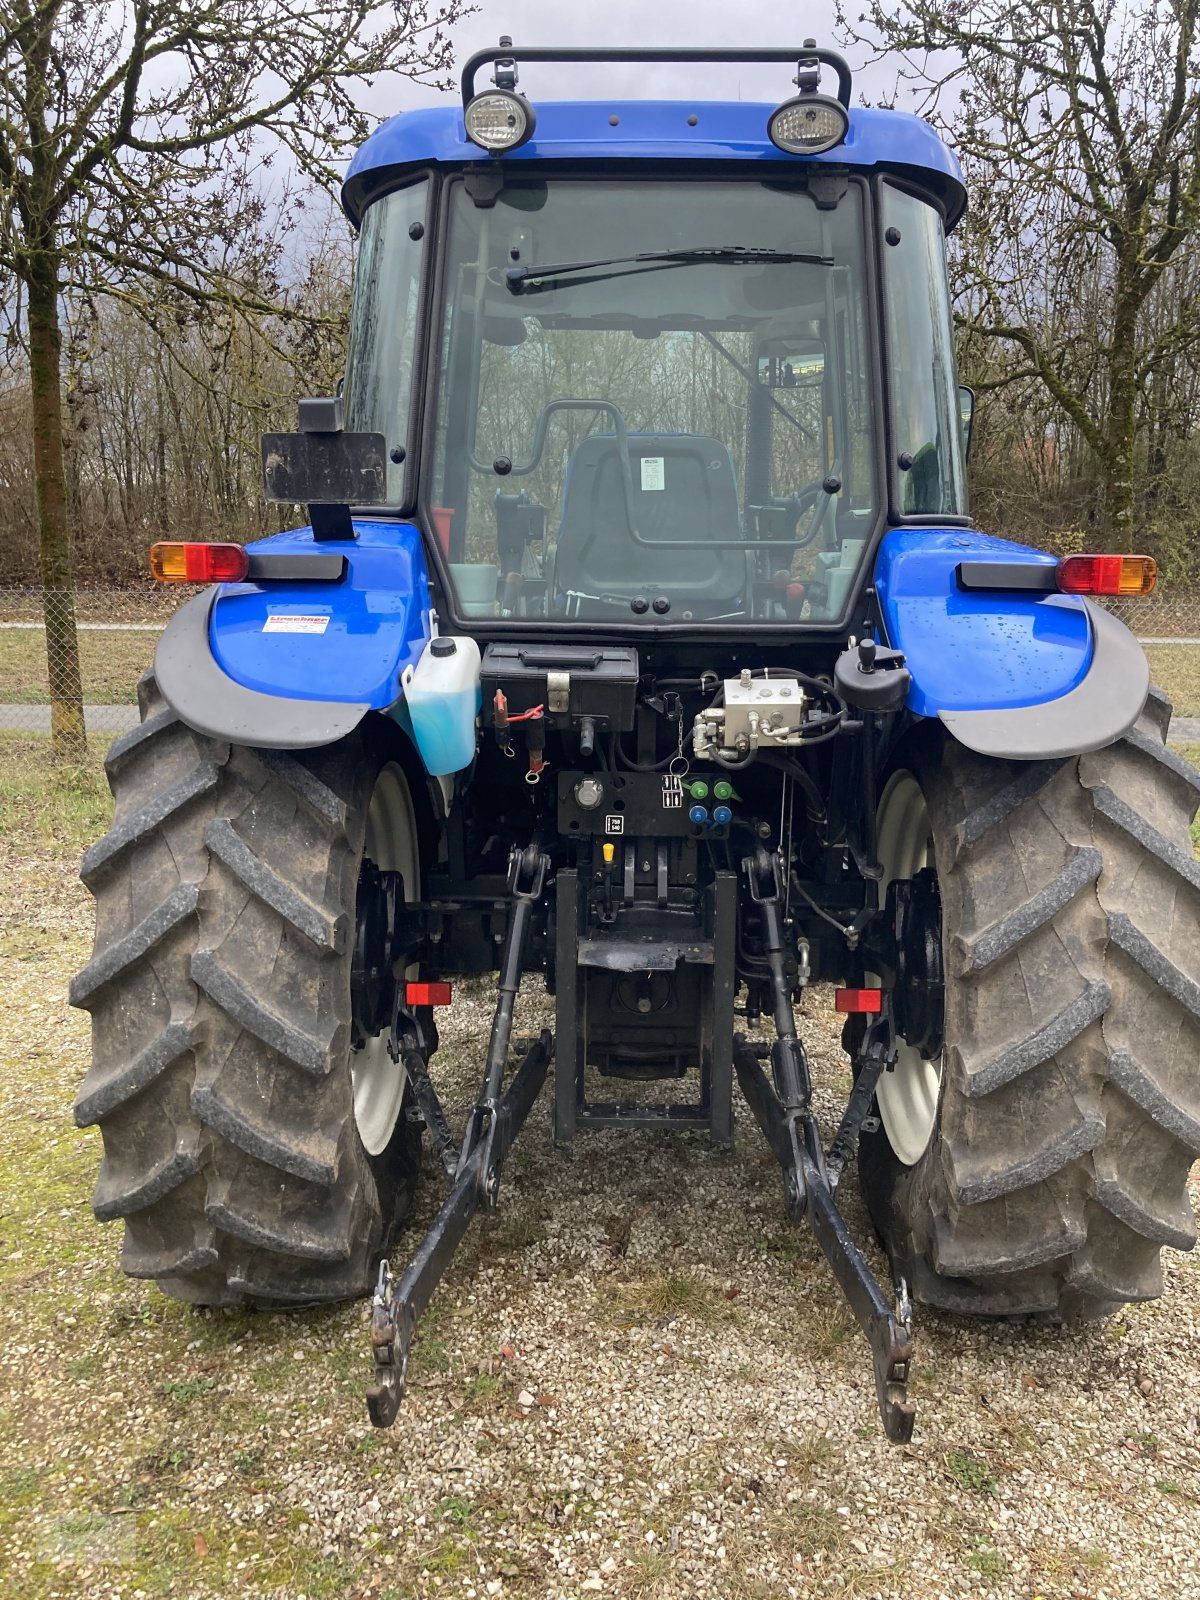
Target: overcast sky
[692, 23]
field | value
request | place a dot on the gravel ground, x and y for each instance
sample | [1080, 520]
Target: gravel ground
[638, 1380]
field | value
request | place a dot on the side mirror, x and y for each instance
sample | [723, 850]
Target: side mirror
[966, 415]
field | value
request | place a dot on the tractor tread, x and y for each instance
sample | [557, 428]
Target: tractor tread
[314, 1284]
[116, 958]
[316, 1161]
[1052, 1125]
[1009, 1234]
[990, 1072]
[1162, 1226]
[321, 1235]
[1165, 850]
[1138, 1084]
[138, 825]
[1029, 781]
[317, 795]
[1025, 1295]
[119, 1195]
[318, 926]
[1126, 1269]
[1159, 968]
[1158, 710]
[167, 1262]
[103, 1093]
[1164, 756]
[979, 950]
[310, 1054]
[128, 743]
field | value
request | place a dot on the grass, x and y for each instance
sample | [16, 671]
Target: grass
[110, 665]
[1176, 670]
[44, 802]
[184, 1390]
[815, 1530]
[987, 1562]
[455, 1508]
[969, 1472]
[651, 1569]
[808, 1453]
[662, 1296]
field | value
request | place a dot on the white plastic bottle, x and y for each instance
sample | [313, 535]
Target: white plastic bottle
[443, 700]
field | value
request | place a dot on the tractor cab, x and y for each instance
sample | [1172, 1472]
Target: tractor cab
[628, 359]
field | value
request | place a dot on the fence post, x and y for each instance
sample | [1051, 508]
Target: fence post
[68, 735]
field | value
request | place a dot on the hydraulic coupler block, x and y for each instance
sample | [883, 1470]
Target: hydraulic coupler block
[757, 712]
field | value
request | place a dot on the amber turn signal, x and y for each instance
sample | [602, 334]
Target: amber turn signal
[1118, 575]
[198, 563]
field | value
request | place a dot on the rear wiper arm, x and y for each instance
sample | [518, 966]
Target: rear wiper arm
[521, 280]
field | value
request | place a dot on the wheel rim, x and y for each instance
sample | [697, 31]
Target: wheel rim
[908, 1095]
[391, 843]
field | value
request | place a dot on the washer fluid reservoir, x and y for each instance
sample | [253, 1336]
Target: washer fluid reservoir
[443, 700]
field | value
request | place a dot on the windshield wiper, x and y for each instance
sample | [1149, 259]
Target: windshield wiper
[520, 280]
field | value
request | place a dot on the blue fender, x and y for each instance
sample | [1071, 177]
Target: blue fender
[289, 663]
[1013, 673]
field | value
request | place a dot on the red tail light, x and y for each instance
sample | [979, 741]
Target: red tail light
[198, 563]
[427, 994]
[1118, 575]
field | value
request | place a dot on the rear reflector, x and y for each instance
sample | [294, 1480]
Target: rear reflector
[198, 563]
[1123, 575]
[858, 999]
[427, 994]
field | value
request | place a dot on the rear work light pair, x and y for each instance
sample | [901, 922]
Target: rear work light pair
[500, 120]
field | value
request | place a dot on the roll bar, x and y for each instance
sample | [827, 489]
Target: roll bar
[810, 54]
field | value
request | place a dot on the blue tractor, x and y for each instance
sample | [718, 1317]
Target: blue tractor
[641, 639]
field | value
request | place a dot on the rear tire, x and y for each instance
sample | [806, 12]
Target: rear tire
[1069, 1108]
[220, 999]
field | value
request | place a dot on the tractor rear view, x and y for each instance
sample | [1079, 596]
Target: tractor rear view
[641, 639]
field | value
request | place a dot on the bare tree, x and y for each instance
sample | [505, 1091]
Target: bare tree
[131, 137]
[1078, 122]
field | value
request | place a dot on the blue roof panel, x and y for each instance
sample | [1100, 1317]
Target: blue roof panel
[604, 130]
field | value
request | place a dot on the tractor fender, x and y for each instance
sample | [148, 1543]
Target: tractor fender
[291, 662]
[1011, 673]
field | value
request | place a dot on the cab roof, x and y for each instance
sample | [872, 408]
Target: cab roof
[604, 132]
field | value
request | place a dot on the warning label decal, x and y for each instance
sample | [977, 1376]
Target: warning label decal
[290, 622]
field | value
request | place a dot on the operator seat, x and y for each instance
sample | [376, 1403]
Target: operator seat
[684, 492]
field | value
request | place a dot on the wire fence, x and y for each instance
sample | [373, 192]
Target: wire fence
[117, 631]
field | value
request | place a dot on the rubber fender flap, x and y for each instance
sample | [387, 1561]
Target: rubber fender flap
[204, 696]
[1098, 711]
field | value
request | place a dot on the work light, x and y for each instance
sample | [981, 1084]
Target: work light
[808, 124]
[499, 120]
